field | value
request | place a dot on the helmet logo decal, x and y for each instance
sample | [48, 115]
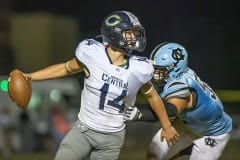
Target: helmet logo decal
[177, 55]
[113, 20]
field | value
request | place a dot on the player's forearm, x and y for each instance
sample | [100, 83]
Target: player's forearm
[161, 114]
[158, 107]
[51, 72]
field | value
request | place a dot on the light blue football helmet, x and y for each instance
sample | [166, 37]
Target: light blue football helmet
[170, 60]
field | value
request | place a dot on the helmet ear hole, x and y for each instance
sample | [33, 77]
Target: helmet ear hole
[115, 24]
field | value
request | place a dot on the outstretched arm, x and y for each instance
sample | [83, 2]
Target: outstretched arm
[56, 71]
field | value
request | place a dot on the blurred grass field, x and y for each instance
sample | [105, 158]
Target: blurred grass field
[138, 137]
[136, 153]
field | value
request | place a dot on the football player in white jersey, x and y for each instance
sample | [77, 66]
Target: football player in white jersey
[188, 99]
[113, 78]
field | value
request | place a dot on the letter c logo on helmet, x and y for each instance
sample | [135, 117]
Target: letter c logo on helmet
[113, 20]
[177, 55]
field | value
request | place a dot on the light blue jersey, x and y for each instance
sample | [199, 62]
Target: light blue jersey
[207, 116]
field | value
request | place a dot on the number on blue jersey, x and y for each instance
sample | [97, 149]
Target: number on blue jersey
[205, 87]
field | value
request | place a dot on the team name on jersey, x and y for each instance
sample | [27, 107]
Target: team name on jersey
[114, 81]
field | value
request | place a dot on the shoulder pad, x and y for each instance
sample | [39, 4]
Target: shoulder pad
[88, 50]
[176, 88]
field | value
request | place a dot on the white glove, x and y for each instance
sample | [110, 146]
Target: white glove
[132, 113]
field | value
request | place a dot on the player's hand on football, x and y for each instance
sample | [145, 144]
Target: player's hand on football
[170, 134]
[27, 76]
[131, 113]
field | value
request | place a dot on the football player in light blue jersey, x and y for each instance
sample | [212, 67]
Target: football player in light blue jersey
[190, 100]
[113, 77]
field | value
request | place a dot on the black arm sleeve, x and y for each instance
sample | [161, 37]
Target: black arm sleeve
[171, 109]
[148, 115]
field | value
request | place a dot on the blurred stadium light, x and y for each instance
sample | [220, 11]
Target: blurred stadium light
[4, 85]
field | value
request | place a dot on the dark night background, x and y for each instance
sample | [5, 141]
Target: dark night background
[209, 29]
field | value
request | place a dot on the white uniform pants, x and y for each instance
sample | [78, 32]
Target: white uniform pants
[207, 147]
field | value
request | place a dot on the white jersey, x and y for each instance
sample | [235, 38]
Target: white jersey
[108, 87]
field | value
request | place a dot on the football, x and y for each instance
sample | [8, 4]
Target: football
[19, 89]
